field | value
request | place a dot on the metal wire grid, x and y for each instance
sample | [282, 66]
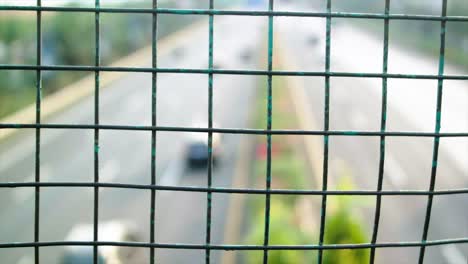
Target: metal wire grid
[268, 132]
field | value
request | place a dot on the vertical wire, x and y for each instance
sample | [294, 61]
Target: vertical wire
[383, 125]
[210, 134]
[38, 131]
[154, 64]
[326, 127]
[266, 237]
[96, 133]
[435, 153]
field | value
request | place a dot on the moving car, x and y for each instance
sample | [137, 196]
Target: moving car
[115, 231]
[246, 55]
[197, 149]
[313, 40]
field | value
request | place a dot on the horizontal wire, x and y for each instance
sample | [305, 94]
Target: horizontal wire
[235, 190]
[236, 13]
[234, 131]
[244, 131]
[229, 72]
[236, 247]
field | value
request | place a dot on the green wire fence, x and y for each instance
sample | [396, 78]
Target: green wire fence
[211, 12]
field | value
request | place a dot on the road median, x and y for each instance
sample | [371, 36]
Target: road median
[296, 163]
[313, 146]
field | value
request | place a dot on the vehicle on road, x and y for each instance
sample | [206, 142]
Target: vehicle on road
[313, 40]
[114, 231]
[246, 54]
[197, 152]
[178, 52]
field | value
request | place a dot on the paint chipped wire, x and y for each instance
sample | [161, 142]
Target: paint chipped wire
[268, 132]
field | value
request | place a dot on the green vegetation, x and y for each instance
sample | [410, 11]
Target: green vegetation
[283, 231]
[290, 222]
[68, 39]
[288, 171]
[343, 226]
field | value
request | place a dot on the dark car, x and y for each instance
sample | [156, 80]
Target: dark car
[197, 154]
[84, 255]
[246, 55]
[313, 40]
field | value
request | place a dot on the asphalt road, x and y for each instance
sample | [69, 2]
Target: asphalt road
[355, 105]
[67, 155]
[124, 157]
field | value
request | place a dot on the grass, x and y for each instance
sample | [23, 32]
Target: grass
[62, 46]
[12, 102]
[290, 222]
[288, 168]
[288, 171]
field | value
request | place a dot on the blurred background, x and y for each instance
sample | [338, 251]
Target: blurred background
[239, 101]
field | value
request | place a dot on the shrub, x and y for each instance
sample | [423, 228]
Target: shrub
[282, 232]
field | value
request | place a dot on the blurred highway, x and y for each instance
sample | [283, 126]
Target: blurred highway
[67, 155]
[355, 104]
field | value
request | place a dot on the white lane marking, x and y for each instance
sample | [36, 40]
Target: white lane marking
[109, 171]
[453, 255]
[134, 104]
[23, 149]
[394, 172]
[359, 120]
[22, 195]
[173, 173]
[25, 260]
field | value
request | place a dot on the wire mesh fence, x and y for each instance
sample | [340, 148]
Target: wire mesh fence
[268, 132]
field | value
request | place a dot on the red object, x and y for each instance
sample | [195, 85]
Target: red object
[261, 151]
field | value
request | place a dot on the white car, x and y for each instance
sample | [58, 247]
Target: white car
[115, 231]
